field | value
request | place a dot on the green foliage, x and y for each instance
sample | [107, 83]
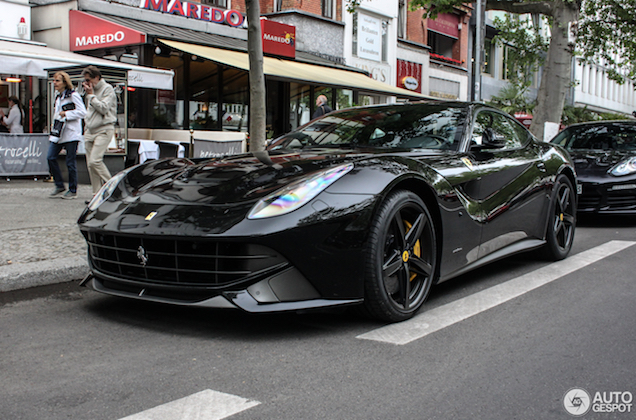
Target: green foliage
[528, 47]
[573, 115]
[607, 35]
[512, 99]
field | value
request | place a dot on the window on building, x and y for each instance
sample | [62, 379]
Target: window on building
[385, 41]
[507, 63]
[370, 37]
[440, 44]
[401, 22]
[278, 5]
[327, 8]
[216, 3]
[488, 57]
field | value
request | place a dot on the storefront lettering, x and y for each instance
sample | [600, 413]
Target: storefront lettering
[195, 10]
[99, 39]
[377, 73]
[21, 152]
[282, 39]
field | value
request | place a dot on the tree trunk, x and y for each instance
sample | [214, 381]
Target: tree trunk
[257, 110]
[555, 79]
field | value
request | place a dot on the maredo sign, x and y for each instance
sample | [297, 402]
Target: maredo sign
[88, 32]
[278, 38]
[194, 10]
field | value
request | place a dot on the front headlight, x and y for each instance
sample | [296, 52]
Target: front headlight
[106, 191]
[625, 168]
[297, 194]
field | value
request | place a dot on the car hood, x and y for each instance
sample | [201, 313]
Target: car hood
[183, 197]
[242, 178]
[597, 163]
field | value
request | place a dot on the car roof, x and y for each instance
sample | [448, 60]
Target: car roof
[604, 122]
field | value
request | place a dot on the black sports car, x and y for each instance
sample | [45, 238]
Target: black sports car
[369, 205]
[604, 155]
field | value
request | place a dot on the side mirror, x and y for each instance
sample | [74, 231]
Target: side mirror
[492, 140]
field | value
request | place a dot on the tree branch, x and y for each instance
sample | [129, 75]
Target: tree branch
[541, 7]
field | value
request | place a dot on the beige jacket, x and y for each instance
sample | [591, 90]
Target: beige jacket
[102, 108]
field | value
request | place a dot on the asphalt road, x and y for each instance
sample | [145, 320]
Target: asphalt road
[70, 353]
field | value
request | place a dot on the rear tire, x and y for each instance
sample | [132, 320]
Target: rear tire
[401, 258]
[561, 221]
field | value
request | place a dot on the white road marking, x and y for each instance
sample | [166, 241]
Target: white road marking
[461, 309]
[204, 405]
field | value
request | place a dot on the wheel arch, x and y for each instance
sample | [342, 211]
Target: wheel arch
[569, 172]
[426, 192]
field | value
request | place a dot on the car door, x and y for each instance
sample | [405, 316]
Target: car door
[509, 174]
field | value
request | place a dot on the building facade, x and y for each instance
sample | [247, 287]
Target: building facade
[205, 44]
[591, 87]
[15, 25]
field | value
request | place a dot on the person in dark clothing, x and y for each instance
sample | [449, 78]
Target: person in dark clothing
[321, 106]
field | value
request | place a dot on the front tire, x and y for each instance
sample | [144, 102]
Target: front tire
[561, 221]
[401, 258]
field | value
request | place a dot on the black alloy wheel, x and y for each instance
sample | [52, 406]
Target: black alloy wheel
[561, 220]
[401, 258]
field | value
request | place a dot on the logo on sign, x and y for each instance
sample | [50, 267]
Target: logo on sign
[410, 83]
[195, 10]
[287, 39]
[99, 39]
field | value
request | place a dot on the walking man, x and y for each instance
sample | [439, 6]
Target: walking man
[100, 121]
[321, 107]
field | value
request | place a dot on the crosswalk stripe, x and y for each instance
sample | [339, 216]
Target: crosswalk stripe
[430, 321]
[204, 405]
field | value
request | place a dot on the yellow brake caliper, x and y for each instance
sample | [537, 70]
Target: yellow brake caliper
[416, 249]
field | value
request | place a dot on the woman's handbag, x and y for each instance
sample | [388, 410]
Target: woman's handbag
[58, 127]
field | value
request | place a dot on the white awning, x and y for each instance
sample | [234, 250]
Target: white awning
[33, 60]
[296, 71]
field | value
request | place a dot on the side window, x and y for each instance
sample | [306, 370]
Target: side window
[502, 127]
[483, 121]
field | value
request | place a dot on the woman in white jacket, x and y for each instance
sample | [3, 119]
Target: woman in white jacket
[66, 133]
[14, 120]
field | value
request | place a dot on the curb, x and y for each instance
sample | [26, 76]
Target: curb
[40, 273]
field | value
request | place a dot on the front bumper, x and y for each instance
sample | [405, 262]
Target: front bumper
[260, 298]
[608, 197]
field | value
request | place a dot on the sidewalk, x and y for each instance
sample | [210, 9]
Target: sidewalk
[40, 242]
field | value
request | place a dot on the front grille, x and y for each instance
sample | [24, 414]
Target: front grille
[621, 199]
[183, 262]
[589, 201]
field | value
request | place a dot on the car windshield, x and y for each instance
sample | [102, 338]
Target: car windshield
[422, 126]
[613, 136]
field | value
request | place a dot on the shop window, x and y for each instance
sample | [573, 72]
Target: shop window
[299, 105]
[216, 3]
[327, 8]
[344, 98]
[235, 100]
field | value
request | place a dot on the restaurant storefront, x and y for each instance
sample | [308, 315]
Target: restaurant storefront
[25, 70]
[207, 50]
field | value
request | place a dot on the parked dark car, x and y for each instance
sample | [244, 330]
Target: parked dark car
[604, 155]
[365, 206]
